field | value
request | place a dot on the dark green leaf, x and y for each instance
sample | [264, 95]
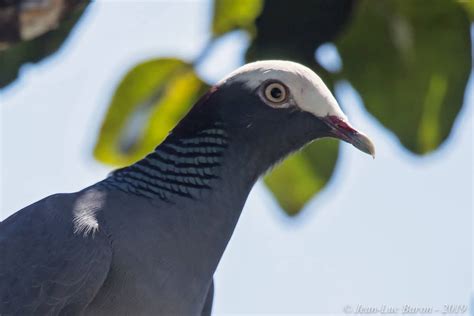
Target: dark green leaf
[410, 62]
[293, 30]
[146, 106]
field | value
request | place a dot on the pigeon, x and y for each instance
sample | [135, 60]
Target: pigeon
[147, 239]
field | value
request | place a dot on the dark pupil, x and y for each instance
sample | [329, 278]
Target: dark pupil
[276, 93]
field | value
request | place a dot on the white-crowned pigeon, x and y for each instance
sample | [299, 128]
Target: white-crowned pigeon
[148, 238]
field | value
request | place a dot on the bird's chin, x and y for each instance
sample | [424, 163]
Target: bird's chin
[341, 129]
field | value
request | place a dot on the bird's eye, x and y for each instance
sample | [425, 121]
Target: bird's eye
[275, 92]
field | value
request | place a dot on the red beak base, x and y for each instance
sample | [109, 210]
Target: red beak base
[341, 129]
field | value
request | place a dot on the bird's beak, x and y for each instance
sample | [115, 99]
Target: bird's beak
[343, 130]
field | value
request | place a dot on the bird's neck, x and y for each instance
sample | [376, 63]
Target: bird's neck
[206, 175]
[203, 178]
[203, 173]
[181, 167]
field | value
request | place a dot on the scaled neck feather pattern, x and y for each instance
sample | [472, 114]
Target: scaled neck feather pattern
[179, 167]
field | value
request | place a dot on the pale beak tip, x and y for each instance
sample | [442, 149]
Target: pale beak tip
[341, 129]
[363, 143]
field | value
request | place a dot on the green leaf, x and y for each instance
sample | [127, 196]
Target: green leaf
[469, 7]
[297, 179]
[38, 48]
[147, 104]
[294, 30]
[231, 14]
[410, 62]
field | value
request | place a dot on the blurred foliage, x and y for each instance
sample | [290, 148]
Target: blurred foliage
[295, 31]
[295, 181]
[416, 63]
[409, 61]
[17, 51]
[148, 103]
[230, 15]
[469, 7]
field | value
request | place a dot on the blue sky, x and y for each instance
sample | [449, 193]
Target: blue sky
[395, 230]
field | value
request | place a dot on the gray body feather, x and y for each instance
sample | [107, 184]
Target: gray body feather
[45, 267]
[83, 253]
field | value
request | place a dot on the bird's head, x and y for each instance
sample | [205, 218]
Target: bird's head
[278, 106]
